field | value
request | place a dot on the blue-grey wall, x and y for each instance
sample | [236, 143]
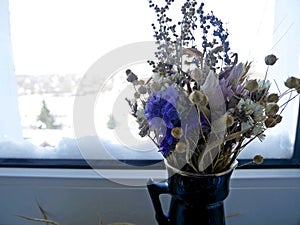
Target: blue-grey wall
[75, 197]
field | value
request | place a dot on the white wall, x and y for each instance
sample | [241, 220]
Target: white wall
[9, 114]
[81, 197]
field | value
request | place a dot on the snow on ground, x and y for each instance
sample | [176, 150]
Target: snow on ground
[63, 143]
[106, 143]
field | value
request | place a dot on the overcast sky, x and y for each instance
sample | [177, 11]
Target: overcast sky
[68, 36]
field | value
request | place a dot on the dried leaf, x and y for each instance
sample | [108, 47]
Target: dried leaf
[245, 73]
[217, 49]
[192, 52]
[236, 75]
[38, 220]
[236, 134]
[215, 140]
[212, 90]
[43, 213]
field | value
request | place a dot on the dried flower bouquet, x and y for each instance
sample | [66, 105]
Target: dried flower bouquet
[201, 107]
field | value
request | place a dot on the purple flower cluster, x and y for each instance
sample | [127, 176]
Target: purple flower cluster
[162, 115]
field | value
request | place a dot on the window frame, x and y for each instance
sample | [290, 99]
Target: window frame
[293, 162]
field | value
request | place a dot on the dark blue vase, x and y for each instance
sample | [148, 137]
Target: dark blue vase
[196, 199]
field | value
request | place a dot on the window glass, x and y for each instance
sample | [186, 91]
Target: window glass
[59, 49]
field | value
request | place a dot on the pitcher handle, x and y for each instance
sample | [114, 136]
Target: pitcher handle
[155, 190]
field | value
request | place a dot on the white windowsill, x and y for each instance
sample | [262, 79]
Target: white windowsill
[135, 174]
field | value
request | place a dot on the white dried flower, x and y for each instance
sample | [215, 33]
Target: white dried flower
[264, 84]
[140, 113]
[156, 76]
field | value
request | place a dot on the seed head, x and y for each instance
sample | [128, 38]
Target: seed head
[142, 90]
[271, 109]
[137, 95]
[141, 82]
[270, 122]
[131, 77]
[180, 147]
[277, 118]
[196, 97]
[270, 60]
[177, 132]
[273, 98]
[251, 85]
[292, 82]
[258, 159]
[229, 121]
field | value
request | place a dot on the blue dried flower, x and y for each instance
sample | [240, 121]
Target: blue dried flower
[166, 144]
[162, 115]
[161, 108]
[158, 107]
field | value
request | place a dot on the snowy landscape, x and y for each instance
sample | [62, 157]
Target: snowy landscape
[59, 93]
[59, 141]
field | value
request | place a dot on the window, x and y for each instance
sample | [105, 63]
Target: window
[70, 101]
